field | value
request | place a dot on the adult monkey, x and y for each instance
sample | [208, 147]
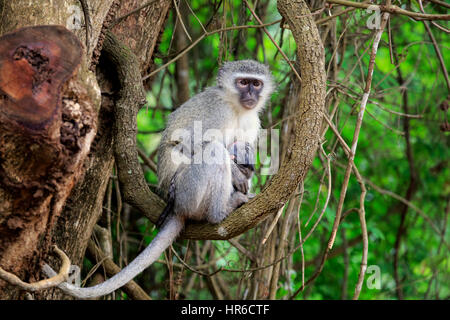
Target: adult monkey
[208, 189]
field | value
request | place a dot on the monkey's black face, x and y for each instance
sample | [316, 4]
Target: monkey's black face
[249, 90]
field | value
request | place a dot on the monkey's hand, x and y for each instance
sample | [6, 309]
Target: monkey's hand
[239, 179]
[237, 200]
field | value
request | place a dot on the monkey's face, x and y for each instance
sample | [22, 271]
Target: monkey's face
[249, 90]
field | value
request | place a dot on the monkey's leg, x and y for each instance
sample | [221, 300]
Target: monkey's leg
[203, 190]
[220, 184]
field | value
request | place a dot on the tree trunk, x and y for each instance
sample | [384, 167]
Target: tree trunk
[52, 181]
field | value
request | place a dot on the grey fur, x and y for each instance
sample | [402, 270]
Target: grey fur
[205, 190]
[214, 108]
[242, 66]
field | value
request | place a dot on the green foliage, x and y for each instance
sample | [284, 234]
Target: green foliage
[424, 263]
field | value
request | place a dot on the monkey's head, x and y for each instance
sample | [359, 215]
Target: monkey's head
[247, 83]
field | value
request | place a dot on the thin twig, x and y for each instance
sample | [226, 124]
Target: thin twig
[299, 226]
[393, 9]
[273, 40]
[326, 201]
[120, 19]
[181, 20]
[273, 224]
[363, 104]
[203, 36]
[147, 160]
[242, 249]
[195, 16]
[326, 19]
[441, 3]
[436, 48]
[54, 281]
[87, 21]
[365, 239]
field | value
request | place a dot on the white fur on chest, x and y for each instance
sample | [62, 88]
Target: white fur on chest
[243, 127]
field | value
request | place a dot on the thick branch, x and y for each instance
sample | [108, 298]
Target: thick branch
[132, 97]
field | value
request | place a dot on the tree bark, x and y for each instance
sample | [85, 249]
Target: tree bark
[30, 219]
[85, 204]
[48, 120]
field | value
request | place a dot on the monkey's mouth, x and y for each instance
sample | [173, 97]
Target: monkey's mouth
[248, 103]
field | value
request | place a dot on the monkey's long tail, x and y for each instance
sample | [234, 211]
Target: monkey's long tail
[161, 242]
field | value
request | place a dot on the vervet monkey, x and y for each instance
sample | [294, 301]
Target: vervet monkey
[195, 168]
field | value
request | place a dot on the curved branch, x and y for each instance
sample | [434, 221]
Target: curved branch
[307, 126]
[306, 133]
[131, 97]
[54, 281]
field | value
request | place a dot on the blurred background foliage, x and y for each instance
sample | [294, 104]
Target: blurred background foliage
[411, 257]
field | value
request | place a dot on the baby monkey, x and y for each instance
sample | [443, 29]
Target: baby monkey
[243, 156]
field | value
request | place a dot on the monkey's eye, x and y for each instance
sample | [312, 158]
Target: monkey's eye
[242, 82]
[257, 83]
